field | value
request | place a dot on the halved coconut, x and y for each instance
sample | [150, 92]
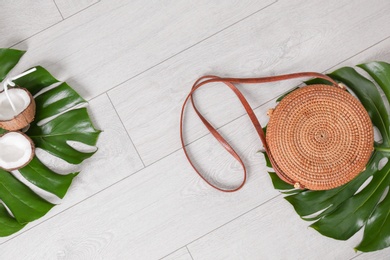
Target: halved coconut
[16, 150]
[24, 112]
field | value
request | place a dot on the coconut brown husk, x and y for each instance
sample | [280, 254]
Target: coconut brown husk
[23, 119]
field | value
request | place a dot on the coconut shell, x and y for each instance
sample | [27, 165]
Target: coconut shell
[31, 156]
[23, 119]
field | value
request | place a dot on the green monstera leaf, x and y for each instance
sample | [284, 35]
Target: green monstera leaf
[364, 202]
[58, 121]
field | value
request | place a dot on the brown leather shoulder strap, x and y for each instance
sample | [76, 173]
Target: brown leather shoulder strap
[229, 82]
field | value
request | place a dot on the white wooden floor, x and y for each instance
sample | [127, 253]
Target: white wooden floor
[138, 198]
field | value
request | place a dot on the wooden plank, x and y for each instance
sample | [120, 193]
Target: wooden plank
[254, 235]
[21, 19]
[181, 254]
[378, 255]
[115, 40]
[272, 231]
[378, 52]
[303, 36]
[166, 206]
[115, 160]
[71, 7]
[156, 211]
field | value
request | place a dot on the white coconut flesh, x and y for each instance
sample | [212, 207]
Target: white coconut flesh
[16, 150]
[19, 97]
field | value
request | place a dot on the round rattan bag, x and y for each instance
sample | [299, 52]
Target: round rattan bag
[319, 137]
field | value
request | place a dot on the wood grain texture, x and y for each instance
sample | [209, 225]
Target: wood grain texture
[112, 41]
[22, 19]
[158, 210]
[235, 242]
[378, 255]
[115, 160]
[272, 231]
[181, 254]
[71, 7]
[155, 45]
[378, 52]
[312, 38]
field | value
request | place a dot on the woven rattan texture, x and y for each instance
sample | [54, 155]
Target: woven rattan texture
[320, 136]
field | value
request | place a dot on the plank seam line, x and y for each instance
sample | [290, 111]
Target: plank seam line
[235, 218]
[98, 192]
[369, 47]
[54, 24]
[189, 252]
[177, 149]
[189, 47]
[59, 10]
[127, 132]
[82, 9]
[257, 108]
[356, 256]
[26, 230]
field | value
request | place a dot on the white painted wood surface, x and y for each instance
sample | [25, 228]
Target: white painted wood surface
[164, 207]
[378, 255]
[138, 59]
[113, 41]
[181, 254]
[22, 19]
[263, 44]
[70, 7]
[273, 231]
[116, 159]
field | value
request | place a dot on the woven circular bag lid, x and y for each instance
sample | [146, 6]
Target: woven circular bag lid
[320, 136]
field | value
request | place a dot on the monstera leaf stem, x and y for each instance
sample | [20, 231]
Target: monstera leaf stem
[382, 148]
